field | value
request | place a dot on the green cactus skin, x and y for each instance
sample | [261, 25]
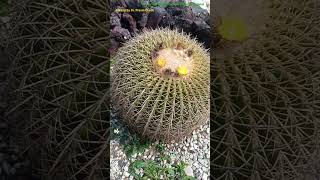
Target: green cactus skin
[156, 106]
[265, 98]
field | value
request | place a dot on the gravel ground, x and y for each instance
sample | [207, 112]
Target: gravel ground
[193, 150]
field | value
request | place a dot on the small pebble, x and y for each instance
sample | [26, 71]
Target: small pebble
[188, 170]
[204, 176]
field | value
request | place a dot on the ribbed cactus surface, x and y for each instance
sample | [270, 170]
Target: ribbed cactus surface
[61, 77]
[160, 84]
[265, 94]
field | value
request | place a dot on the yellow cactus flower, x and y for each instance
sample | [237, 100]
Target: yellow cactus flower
[161, 61]
[182, 70]
[233, 29]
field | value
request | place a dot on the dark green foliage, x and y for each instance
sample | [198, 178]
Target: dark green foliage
[136, 146]
[155, 169]
[160, 147]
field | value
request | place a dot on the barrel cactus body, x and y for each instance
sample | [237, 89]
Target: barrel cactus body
[160, 84]
[61, 78]
[265, 90]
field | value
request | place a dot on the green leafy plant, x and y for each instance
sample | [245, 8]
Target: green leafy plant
[136, 146]
[154, 169]
[160, 147]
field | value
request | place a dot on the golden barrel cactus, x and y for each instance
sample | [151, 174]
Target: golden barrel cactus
[160, 84]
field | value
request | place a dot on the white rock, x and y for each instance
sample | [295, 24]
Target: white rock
[183, 158]
[126, 174]
[164, 161]
[202, 161]
[125, 168]
[204, 176]
[195, 146]
[196, 165]
[188, 170]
